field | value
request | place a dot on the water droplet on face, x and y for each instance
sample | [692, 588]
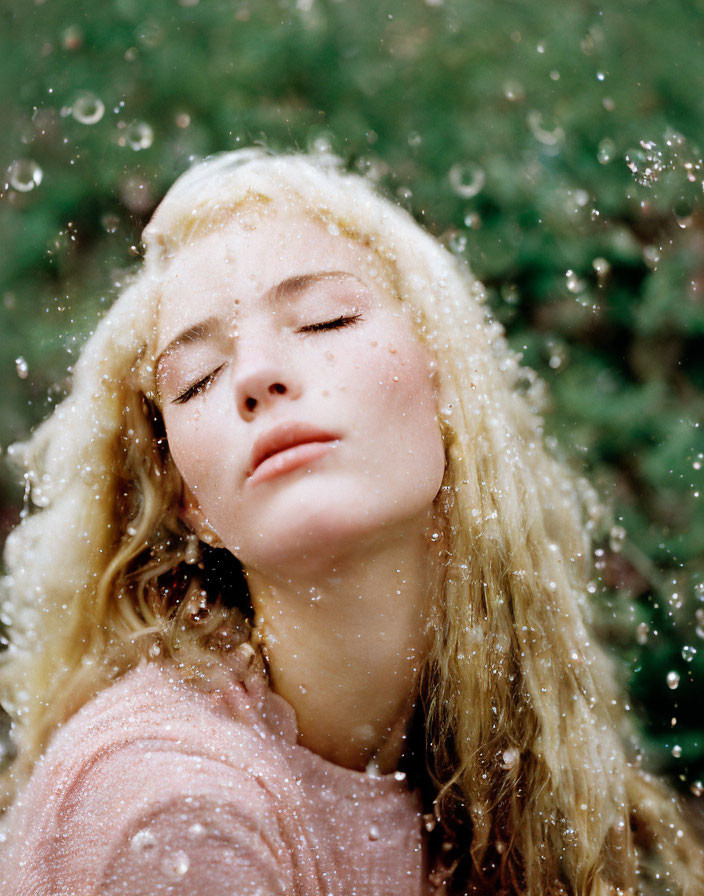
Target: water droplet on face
[139, 135]
[176, 865]
[673, 680]
[196, 831]
[143, 840]
[22, 368]
[466, 180]
[374, 833]
[88, 108]
[400, 776]
[24, 175]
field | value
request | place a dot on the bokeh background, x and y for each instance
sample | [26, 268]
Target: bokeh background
[557, 146]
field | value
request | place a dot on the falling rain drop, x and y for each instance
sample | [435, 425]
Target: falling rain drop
[139, 135]
[673, 680]
[574, 284]
[642, 632]
[546, 136]
[617, 536]
[24, 175]
[21, 367]
[466, 180]
[697, 788]
[677, 751]
[688, 653]
[88, 108]
[605, 151]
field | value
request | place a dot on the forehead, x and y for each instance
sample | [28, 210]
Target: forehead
[249, 256]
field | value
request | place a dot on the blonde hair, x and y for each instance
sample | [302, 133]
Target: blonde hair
[523, 726]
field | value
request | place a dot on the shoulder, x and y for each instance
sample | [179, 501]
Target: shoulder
[161, 785]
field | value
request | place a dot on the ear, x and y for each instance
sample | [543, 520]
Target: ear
[190, 512]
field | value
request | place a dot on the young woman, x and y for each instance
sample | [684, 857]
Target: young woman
[301, 604]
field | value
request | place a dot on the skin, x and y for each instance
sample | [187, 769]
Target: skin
[289, 323]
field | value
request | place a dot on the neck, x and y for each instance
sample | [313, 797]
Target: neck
[345, 643]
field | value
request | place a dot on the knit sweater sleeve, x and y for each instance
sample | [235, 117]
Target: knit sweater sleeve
[152, 820]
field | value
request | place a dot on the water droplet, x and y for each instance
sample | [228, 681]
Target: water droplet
[688, 653]
[514, 91]
[466, 180]
[196, 831]
[429, 822]
[605, 151]
[88, 108]
[673, 680]
[154, 650]
[22, 368]
[574, 284]
[400, 776]
[677, 751]
[139, 135]
[697, 788]
[176, 865]
[544, 135]
[617, 536]
[699, 591]
[642, 632]
[645, 163]
[509, 758]
[24, 175]
[374, 833]
[110, 222]
[602, 268]
[143, 840]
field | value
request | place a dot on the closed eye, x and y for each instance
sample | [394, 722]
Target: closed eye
[335, 324]
[197, 388]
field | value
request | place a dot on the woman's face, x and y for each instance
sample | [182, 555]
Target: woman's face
[298, 401]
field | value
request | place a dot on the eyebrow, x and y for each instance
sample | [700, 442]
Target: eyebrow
[288, 289]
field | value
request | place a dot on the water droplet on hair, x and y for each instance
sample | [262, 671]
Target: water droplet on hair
[509, 758]
[87, 108]
[24, 175]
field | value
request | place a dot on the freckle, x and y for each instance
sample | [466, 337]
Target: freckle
[392, 349]
[374, 343]
[342, 388]
[325, 393]
[329, 356]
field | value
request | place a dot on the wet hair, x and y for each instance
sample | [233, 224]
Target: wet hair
[532, 785]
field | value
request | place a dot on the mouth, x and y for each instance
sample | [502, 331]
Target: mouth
[287, 447]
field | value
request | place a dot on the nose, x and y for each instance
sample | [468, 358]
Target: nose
[262, 384]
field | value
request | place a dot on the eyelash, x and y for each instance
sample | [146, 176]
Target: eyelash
[336, 324]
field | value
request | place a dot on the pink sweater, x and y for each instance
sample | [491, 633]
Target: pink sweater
[157, 787]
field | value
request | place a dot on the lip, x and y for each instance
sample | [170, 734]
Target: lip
[286, 447]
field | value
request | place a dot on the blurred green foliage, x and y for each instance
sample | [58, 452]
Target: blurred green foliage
[557, 146]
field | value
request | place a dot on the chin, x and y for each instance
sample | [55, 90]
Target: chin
[322, 536]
